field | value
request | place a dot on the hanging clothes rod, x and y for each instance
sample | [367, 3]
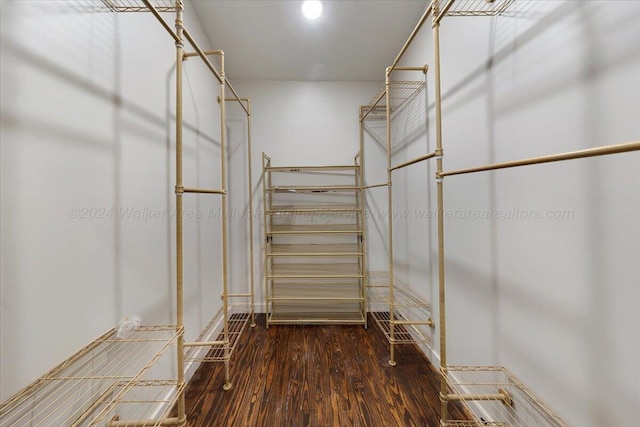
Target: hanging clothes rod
[384, 184]
[590, 152]
[203, 191]
[412, 36]
[199, 52]
[166, 26]
[414, 161]
[203, 56]
[374, 105]
[444, 11]
[242, 101]
[237, 97]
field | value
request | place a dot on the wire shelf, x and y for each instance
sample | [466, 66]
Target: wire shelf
[524, 408]
[307, 250]
[477, 7]
[139, 6]
[306, 168]
[143, 401]
[84, 388]
[353, 317]
[316, 270]
[407, 307]
[315, 189]
[401, 93]
[408, 117]
[378, 292]
[334, 208]
[315, 229]
[239, 315]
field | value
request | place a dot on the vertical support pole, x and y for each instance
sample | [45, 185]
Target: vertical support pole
[266, 239]
[179, 190]
[249, 165]
[270, 219]
[440, 196]
[387, 85]
[362, 207]
[358, 237]
[223, 187]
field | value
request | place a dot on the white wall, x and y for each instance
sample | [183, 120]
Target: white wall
[86, 123]
[554, 300]
[87, 149]
[295, 123]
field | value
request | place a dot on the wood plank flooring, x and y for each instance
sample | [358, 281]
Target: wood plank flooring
[308, 376]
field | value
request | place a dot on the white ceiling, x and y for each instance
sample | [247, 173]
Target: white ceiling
[272, 40]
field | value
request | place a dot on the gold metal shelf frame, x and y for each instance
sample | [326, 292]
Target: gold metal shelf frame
[395, 116]
[504, 400]
[314, 250]
[476, 7]
[139, 6]
[239, 316]
[105, 379]
[103, 384]
[412, 314]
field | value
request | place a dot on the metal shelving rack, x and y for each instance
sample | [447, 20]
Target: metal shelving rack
[314, 252]
[407, 308]
[498, 397]
[107, 383]
[475, 7]
[239, 315]
[222, 343]
[402, 316]
[505, 400]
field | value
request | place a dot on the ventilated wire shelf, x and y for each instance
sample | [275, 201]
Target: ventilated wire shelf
[401, 93]
[315, 229]
[316, 270]
[407, 307]
[378, 292]
[145, 400]
[476, 7]
[139, 6]
[315, 250]
[333, 209]
[354, 316]
[314, 189]
[408, 116]
[82, 390]
[342, 169]
[521, 409]
[239, 315]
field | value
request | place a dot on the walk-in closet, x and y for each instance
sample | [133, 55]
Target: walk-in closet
[320, 213]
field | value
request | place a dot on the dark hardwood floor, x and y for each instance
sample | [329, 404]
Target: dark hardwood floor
[299, 376]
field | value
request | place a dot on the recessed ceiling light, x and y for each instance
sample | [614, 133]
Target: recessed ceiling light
[312, 9]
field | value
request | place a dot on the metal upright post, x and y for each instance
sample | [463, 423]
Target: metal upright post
[440, 196]
[265, 164]
[249, 165]
[223, 186]
[363, 207]
[179, 190]
[387, 85]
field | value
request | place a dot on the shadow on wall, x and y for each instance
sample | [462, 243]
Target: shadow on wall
[63, 92]
[598, 56]
[544, 86]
